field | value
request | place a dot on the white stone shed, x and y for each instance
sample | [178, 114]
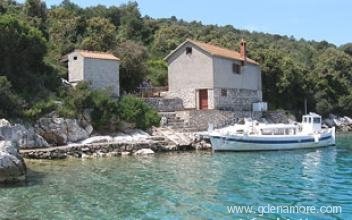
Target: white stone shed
[99, 69]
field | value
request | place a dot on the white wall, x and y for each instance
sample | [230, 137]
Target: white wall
[102, 74]
[190, 71]
[75, 67]
[249, 78]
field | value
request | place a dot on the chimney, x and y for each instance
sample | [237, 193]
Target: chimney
[243, 49]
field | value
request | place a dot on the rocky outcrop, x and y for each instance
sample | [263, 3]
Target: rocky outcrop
[12, 166]
[22, 136]
[341, 123]
[278, 116]
[61, 131]
[202, 145]
[144, 151]
[128, 136]
[97, 139]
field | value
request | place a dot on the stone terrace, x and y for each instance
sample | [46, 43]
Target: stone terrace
[199, 120]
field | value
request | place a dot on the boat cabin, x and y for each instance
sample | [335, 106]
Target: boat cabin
[278, 129]
[311, 123]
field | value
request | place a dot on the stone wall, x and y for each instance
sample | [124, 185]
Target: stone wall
[165, 104]
[99, 150]
[102, 74]
[188, 96]
[75, 67]
[200, 119]
[236, 99]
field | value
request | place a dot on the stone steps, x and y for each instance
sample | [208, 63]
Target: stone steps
[172, 120]
[199, 120]
[179, 139]
[178, 124]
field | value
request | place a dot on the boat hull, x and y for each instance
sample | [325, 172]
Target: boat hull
[271, 142]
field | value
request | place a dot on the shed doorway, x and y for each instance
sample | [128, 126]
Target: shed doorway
[203, 99]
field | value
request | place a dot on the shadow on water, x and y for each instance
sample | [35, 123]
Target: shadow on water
[32, 178]
[303, 150]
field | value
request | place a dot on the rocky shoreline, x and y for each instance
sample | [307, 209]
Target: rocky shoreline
[86, 151]
[12, 166]
[343, 124]
[60, 138]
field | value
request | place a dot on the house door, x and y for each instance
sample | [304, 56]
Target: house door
[203, 99]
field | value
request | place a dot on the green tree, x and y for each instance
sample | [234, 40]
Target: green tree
[70, 6]
[35, 8]
[36, 14]
[167, 38]
[99, 35]
[104, 109]
[347, 48]
[22, 58]
[157, 72]
[64, 31]
[131, 24]
[11, 105]
[282, 80]
[134, 110]
[133, 67]
[9, 7]
[333, 77]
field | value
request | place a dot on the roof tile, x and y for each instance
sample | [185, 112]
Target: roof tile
[97, 55]
[221, 52]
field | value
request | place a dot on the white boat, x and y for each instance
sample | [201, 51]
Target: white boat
[254, 136]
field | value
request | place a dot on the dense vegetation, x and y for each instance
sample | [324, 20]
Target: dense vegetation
[33, 38]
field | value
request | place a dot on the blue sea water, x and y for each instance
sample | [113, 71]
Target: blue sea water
[194, 185]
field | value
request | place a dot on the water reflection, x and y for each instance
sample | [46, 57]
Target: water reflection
[184, 185]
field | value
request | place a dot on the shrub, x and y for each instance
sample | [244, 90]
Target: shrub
[106, 112]
[10, 104]
[157, 72]
[104, 109]
[134, 110]
[75, 100]
[40, 108]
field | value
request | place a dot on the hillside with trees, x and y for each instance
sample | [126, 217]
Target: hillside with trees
[33, 39]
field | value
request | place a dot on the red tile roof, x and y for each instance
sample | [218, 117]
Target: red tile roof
[217, 51]
[221, 52]
[97, 55]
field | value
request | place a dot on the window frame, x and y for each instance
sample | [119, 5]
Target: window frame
[223, 92]
[189, 50]
[316, 120]
[236, 68]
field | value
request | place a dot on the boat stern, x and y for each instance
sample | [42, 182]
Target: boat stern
[333, 136]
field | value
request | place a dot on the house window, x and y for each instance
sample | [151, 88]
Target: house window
[188, 50]
[224, 92]
[75, 58]
[236, 68]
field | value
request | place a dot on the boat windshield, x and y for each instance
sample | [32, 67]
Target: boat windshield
[316, 120]
[278, 129]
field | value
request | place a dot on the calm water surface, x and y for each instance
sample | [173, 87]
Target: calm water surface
[185, 185]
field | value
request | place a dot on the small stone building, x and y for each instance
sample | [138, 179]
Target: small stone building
[100, 69]
[205, 76]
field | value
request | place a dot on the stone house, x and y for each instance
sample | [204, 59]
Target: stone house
[100, 69]
[205, 76]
